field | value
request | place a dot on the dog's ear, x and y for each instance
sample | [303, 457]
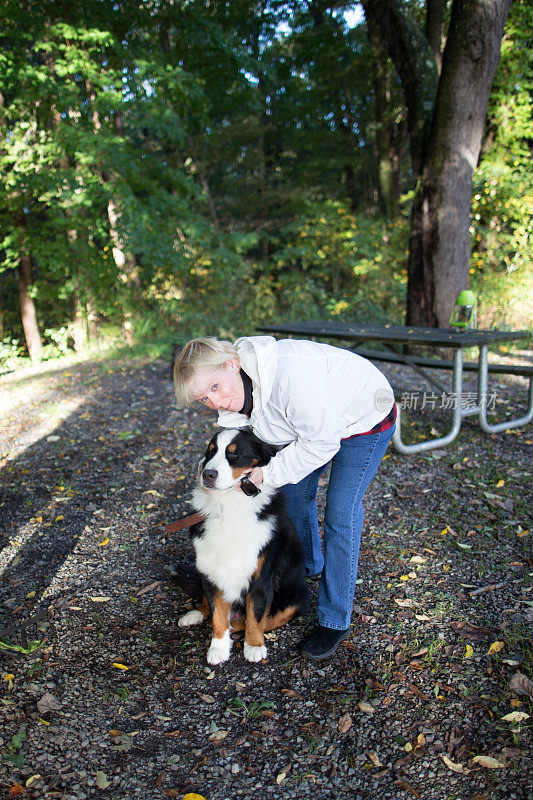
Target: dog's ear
[264, 450]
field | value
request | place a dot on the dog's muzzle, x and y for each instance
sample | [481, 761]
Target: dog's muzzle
[209, 477]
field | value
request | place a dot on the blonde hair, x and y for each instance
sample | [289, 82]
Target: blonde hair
[199, 354]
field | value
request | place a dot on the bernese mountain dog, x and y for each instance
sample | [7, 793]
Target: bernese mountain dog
[248, 554]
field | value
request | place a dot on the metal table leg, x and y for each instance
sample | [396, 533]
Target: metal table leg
[483, 392]
[457, 391]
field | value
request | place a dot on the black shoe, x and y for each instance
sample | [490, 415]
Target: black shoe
[323, 642]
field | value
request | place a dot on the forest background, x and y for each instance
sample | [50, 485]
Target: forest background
[170, 169]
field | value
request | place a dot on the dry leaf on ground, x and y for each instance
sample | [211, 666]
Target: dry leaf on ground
[345, 723]
[488, 761]
[522, 685]
[48, 703]
[101, 780]
[454, 766]
[516, 716]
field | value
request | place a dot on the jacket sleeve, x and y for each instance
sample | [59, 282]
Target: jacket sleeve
[305, 401]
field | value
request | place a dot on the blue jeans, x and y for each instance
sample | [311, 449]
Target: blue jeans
[352, 469]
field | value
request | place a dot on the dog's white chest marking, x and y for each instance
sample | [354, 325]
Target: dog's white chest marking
[233, 538]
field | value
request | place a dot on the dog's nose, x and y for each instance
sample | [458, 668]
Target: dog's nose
[209, 477]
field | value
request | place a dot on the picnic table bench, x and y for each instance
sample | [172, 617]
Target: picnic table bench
[458, 340]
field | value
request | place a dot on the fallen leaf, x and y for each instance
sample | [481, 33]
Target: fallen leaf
[48, 703]
[418, 693]
[345, 723]
[193, 796]
[468, 631]
[32, 779]
[488, 762]
[367, 708]
[454, 766]
[16, 790]
[405, 602]
[119, 666]
[408, 788]
[217, 736]
[104, 542]
[99, 599]
[283, 774]
[122, 742]
[516, 716]
[469, 652]
[374, 758]
[148, 588]
[207, 698]
[495, 648]
[521, 685]
[101, 780]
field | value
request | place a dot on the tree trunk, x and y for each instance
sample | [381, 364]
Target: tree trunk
[27, 308]
[383, 137]
[77, 327]
[434, 24]
[440, 239]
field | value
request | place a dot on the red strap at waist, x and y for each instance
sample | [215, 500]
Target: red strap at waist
[384, 425]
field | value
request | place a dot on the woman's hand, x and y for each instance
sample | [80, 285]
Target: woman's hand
[255, 476]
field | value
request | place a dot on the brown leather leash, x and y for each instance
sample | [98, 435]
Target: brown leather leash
[186, 522]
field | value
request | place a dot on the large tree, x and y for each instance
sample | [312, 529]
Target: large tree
[446, 115]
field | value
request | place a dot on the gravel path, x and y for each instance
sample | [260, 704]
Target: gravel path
[103, 695]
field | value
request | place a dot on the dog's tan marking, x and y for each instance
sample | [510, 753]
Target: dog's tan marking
[253, 629]
[221, 609]
[238, 471]
[204, 607]
[270, 623]
[258, 569]
[232, 448]
[279, 619]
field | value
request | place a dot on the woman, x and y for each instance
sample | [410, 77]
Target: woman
[325, 406]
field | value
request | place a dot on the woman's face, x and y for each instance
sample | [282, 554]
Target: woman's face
[221, 389]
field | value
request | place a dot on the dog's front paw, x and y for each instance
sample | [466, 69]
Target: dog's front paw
[219, 650]
[254, 652]
[191, 618]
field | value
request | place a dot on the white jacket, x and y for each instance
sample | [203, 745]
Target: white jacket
[307, 396]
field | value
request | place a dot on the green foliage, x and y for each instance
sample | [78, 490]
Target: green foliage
[11, 354]
[13, 756]
[183, 168]
[502, 203]
[329, 261]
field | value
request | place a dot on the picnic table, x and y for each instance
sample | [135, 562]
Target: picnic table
[433, 338]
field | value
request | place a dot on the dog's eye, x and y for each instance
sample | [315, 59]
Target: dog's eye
[232, 457]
